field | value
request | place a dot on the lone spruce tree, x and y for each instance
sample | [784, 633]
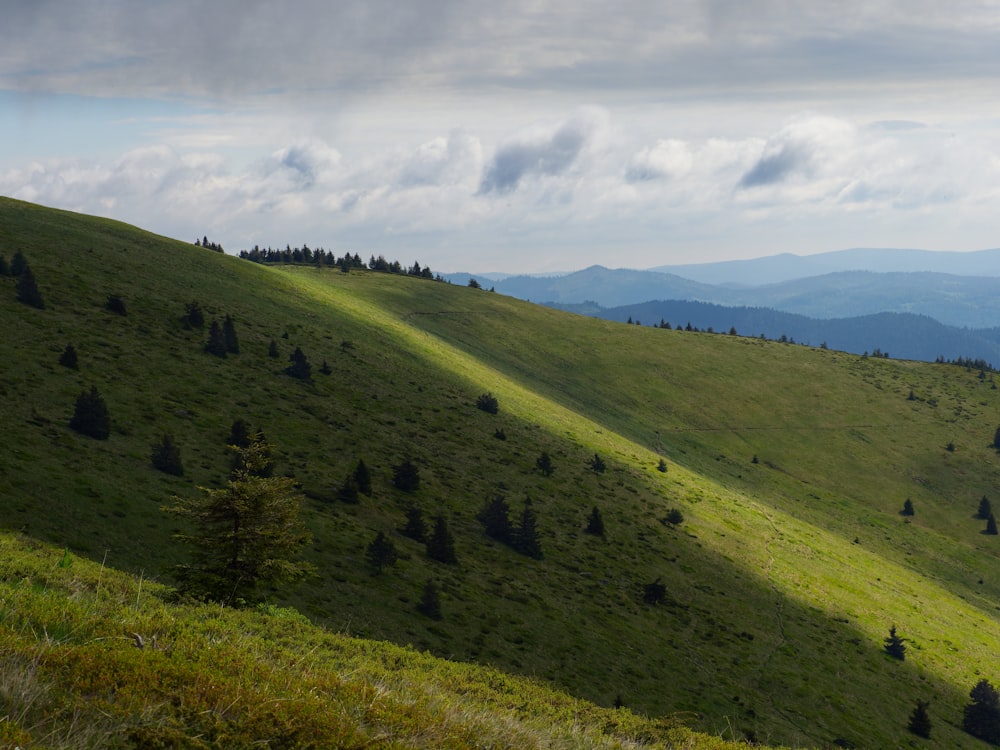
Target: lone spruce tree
[526, 539]
[27, 289]
[981, 716]
[91, 416]
[894, 645]
[441, 544]
[247, 536]
[166, 457]
[985, 508]
[920, 721]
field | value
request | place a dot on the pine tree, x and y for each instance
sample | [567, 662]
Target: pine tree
[68, 357]
[91, 416]
[166, 457]
[595, 524]
[991, 525]
[544, 464]
[272, 350]
[18, 264]
[985, 509]
[662, 466]
[363, 478]
[920, 721]
[415, 527]
[326, 369]
[495, 517]
[406, 476]
[654, 593]
[381, 552]
[299, 367]
[239, 434]
[907, 508]
[526, 539]
[216, 344]
[597, 464]
[430, 601]
[441, 544]
[348, 492]
[981, 717]
[894, 645]
[115, 304]
[229, 335]
[246, 536]
[193, 316]
[27, 289]
[996, 439]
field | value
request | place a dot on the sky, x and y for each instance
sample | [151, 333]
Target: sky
[519, 136]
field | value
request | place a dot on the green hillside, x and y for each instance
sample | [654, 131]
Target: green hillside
[789, 465]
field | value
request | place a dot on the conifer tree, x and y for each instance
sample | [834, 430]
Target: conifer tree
[18, 263]
[326, 369]
[597, 464]
[526, 539]
[991, 525]
[996, 439]
[272, 350]
[193, 316]
[441, 544]
[894, 645]
[430, 601]
[495, 517]
[907, 508]
[662, 466]
[544, 464]
[363, 478]
[920, 721]
[246, 536]
[115, 304]
[299, 367]
[91, 416]
[348, 492]
[381, 552]
[229, 335]
[981, 716]
[239, 434]
[216, 344]
[166, 457]
[68, 357]
[655, 592]
[985, 509]
[27, 289]
[595, 524]
[415, 527]
[406, 476]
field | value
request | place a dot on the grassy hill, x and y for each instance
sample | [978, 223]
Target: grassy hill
[789, 465]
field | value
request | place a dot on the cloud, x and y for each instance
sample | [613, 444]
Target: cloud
[544, 149]
[799, 150]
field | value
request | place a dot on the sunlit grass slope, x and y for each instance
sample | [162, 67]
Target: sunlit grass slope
[93, 658]
[782, 581]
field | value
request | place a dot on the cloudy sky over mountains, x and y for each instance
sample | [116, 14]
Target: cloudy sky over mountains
[526, 136]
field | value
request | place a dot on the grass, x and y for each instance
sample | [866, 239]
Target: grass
[72, 676]
[782, 581]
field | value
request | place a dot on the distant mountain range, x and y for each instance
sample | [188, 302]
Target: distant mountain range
[943, 304]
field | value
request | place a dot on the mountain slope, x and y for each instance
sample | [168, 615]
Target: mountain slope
[781, 582]
[903, 335]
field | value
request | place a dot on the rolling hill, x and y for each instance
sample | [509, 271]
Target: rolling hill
[788, 465]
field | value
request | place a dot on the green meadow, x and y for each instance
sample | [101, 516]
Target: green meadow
[789, 466]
